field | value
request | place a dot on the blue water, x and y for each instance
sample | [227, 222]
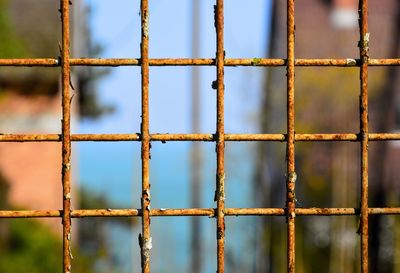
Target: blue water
[114, 169]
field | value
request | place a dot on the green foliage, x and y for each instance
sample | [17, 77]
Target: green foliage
[14, 46]
[30, 247]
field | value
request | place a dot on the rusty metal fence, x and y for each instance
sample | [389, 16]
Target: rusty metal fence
[219, 137]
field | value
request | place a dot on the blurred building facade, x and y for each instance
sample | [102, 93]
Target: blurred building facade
[30, 100]
[327, 102]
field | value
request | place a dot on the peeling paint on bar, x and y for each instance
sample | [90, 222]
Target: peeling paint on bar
[351, 62]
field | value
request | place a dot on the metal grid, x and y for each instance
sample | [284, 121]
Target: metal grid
[145, 137]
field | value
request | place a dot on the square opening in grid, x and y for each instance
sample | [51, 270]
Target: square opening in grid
[109, 102]
[329, 102]
[172, 175]
[109, 172]
[328, 174]
[171, 102]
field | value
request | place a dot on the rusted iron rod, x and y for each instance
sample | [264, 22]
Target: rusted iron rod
[30, 138]
[349, 62]
[52, 62]
[290, 146]
[183, 137]
[196, 212]
[219, 196]
[209, 212]
[383, 62]
[145, 240]
[66, 134]
[364, 56]
[46, 62]
[30, 213]
[383, 211]
[196, 137]
[308, 211]
[106, 213]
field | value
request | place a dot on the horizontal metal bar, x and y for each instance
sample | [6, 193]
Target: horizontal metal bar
[31, 62]
[74, 137]
[51, 62]
[30, 137]
[182, 137]
[30, 213]
[195, 137]
[210, 212]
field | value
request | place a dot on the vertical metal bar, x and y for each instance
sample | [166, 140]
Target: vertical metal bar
[220, 139]
[196, 162]
[364, 57]
[145, 239]
[291, 174]
[66, 135]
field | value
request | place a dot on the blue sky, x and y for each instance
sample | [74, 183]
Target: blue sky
[114, 168]
[116, 24]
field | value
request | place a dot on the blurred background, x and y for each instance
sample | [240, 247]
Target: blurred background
[108, 174]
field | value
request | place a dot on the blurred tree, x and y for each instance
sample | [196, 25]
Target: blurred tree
[32, 30]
